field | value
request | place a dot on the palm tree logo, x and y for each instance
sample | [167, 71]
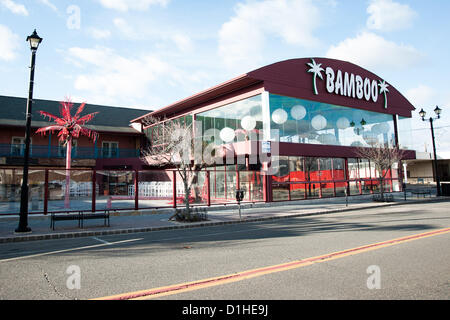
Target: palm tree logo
[384, 89]
[317, 70]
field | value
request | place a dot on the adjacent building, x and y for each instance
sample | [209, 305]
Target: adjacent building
[117, 147]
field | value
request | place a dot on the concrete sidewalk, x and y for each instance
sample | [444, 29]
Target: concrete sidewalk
[155, 220]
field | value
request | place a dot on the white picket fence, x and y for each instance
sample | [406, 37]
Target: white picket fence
[78, 189]
[146, 189]
[156, 189]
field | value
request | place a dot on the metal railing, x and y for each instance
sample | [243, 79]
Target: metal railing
[45, 151]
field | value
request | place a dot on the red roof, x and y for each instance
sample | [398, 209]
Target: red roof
[291, 78]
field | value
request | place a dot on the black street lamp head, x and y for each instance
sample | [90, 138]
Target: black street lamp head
[438, 111]
[363, 122]
[34, 40]
[422, 114]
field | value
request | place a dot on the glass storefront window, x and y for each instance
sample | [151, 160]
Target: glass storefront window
[155, 133]
[252, 184]
[298, 191]
[238, 121]
[405, 139]
[364, 169]
[353, 169]
[280, 192]
[303, 121]
[280, 168]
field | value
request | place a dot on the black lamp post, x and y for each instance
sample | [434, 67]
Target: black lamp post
[422, 114]
[34, 41]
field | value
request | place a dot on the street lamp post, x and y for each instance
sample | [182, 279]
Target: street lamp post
[422, 114]
[34, 41]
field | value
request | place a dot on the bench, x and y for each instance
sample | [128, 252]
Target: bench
[421, 192]
[65, 217]
[80, 216]
[90, 216]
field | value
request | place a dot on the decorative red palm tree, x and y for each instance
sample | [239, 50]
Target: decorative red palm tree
[69, 127]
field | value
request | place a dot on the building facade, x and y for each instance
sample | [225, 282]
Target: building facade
[290, 130]
[117, 147]
[421, 169]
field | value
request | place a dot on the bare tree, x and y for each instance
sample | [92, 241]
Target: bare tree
[175, 145]
[383, 157]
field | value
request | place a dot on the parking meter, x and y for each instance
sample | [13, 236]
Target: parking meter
[239, 195]
[239, 198]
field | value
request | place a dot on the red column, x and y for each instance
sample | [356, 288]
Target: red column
[267, 186]
[94, 182]
[208, 184]
[136, 190]
[174, 188]
[264, 181]
[347, 176]
[46, 193]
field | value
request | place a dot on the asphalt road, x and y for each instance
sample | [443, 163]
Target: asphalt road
[87, 268]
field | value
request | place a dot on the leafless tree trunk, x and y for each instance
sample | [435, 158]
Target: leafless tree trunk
[383, 157]
[175, 148]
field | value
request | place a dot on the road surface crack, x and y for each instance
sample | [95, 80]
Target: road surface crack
[55, 289]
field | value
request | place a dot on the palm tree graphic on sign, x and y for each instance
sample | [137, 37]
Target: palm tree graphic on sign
[384, 89]
[317, 70]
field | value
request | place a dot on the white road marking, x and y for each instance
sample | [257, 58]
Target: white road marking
[102, 241]
[68, 250]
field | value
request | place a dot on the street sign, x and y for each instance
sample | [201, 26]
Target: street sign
[266, 147]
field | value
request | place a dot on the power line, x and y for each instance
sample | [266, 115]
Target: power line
[429, 128]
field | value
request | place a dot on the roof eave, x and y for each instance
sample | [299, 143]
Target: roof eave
[205, 95]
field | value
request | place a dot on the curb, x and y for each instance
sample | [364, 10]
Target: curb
[79, 234]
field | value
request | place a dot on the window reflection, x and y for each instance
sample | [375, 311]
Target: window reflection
[311, 177]
[303, 121]
[243, 117]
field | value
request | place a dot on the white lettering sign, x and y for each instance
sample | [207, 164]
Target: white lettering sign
[349, 85]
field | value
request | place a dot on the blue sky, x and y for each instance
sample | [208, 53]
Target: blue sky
[150, 53]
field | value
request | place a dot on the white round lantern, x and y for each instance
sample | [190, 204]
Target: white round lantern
[227, 134]
[298, 112]
[279, 116]
[343, 123]
[319, 122]
[248, 123]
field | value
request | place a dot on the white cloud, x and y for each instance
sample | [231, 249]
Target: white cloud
[242, 38]
[421, 96]
[387, 15]
[112, 78]
[9, 42]
[125, 5]
[99, 33]
[49, 4]
[14, 7]
[183, 42]
[372, 51]
[125, 29]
